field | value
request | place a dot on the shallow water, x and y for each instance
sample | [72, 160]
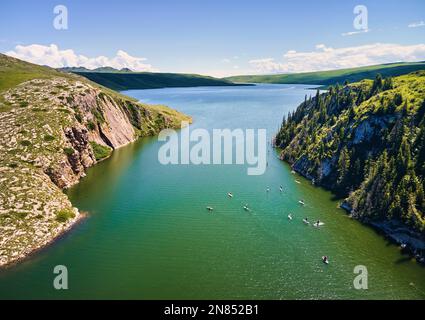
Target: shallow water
[148, 234]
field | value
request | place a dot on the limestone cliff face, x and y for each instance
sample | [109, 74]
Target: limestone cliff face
[105, 118]
[98, 118]
[68, 170]
[48, 138]
[112, 125]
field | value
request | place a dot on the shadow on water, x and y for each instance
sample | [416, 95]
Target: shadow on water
[338, 197]
[403, 259]
[104, 174]
[108, 171]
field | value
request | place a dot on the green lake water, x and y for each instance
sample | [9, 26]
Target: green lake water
[148, 234]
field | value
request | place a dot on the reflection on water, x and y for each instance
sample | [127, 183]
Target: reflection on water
[108, 172]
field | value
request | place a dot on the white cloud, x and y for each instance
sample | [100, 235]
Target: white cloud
[352, 33]
[417, 24]
[267, 65]
[54, 57]
[327, 58]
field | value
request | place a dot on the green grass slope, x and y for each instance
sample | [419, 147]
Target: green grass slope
[14, 71]
[333, 77]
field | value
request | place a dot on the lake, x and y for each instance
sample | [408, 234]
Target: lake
[149, 236]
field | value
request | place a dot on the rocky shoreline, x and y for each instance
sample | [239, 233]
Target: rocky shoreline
[80, 218]
[410, 242]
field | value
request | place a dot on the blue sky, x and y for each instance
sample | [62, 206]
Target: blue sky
[216, 37]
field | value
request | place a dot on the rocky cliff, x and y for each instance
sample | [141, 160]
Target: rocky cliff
[52, 129]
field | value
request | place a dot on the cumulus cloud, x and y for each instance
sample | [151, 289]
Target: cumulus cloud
[54, 57]
[417, 24]
[327, 58]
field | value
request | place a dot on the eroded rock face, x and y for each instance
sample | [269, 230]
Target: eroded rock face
[117, 127]
[302, 166]
[111, 125]
[83, 156]
[326, 167]
[371, 127]
[78, 158]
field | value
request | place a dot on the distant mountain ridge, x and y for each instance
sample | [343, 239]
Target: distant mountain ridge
[125, 79]
[100, 69]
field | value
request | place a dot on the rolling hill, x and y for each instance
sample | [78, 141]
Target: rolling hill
[333, 77]
[123, 80]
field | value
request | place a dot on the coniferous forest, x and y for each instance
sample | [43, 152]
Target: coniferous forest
[366, 142]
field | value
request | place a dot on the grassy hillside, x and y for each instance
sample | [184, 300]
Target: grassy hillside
[14, 72]
[335, 76]
[145, 80]
[366, 142]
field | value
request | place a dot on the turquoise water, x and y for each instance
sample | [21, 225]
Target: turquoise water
[148, 234]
